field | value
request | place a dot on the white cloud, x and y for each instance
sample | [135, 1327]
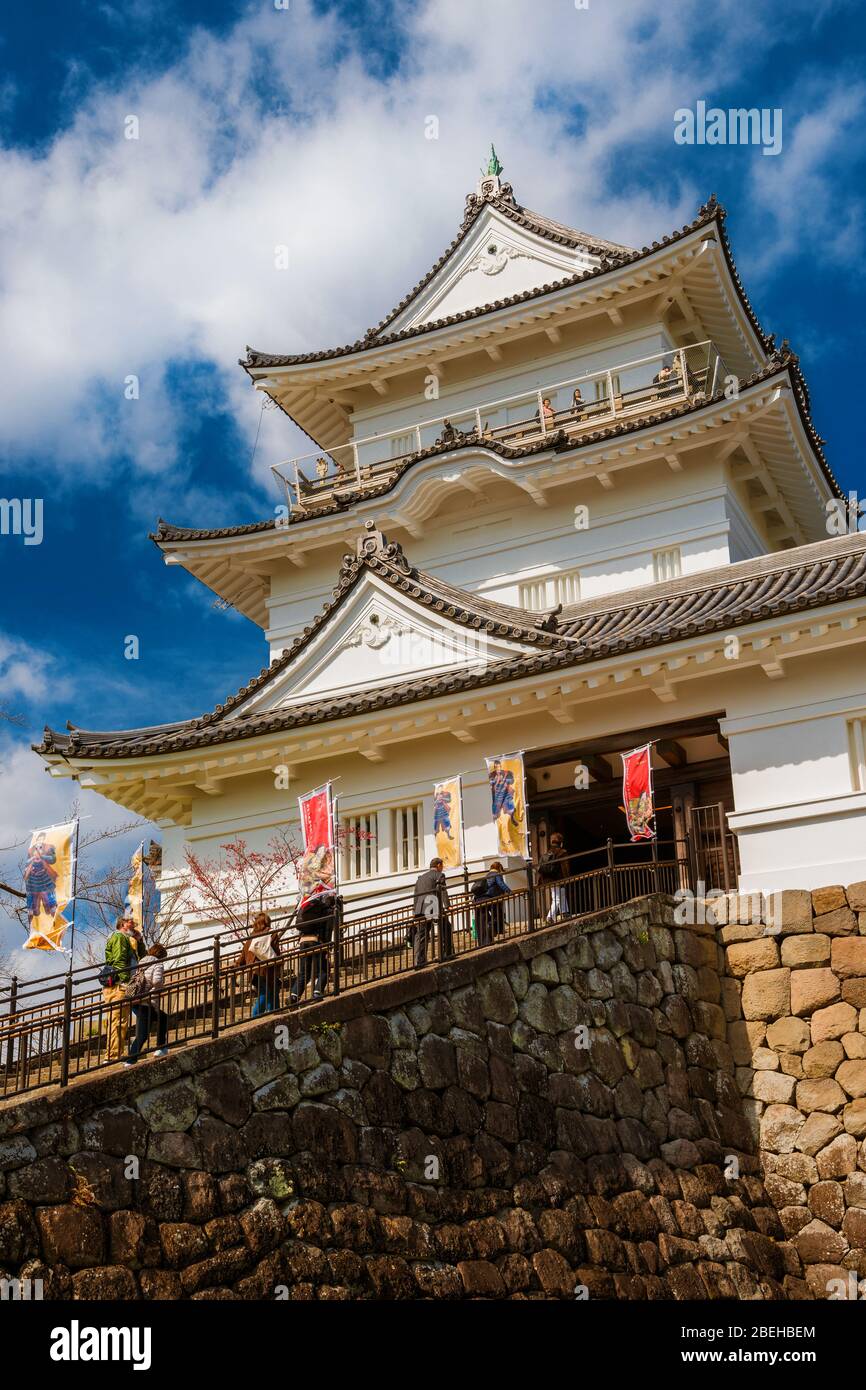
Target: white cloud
[123, 257]
[24, 672]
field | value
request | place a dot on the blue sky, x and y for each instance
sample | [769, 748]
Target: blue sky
[305, 126]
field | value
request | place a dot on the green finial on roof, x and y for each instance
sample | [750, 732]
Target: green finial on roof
[493, 165]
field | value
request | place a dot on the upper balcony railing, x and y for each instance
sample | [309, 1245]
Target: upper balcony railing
[574, 406]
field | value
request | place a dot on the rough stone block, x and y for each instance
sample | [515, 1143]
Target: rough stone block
[788, 1035]
[842, 922]
[833, 1022]
[746, 956]
[813, 949]
[823, 1059]
[849, 956]
[820, 1093]
[813, 989]
[767, 994]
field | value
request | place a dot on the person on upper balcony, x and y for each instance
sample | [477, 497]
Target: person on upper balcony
[578, 404]
[546, 416]
[666, 379]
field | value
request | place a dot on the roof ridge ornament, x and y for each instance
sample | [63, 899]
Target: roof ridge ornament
[374, 543]
[489, 188]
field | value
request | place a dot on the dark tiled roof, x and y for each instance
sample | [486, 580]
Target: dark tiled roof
[809, 577]
[711, 211]
[780, 360]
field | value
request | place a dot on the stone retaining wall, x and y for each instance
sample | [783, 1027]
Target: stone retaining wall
[549, 1118]
[795, 998]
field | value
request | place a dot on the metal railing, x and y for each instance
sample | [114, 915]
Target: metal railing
[611, 393]
[79, 1029]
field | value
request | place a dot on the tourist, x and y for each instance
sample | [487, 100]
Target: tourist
[546, 416]
[121, 959]
[429, 906]
[315, 923]
[578, 404]
[490, 915]
[665, 379]
[262, 953]
[144, 993]
[552, 870]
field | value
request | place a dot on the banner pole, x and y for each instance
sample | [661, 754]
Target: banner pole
[74, 892]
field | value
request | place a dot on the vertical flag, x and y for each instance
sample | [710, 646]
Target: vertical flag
[317, 869]
[637, 792]
[135, 892]
[49, 877]
[448, 821]
[508, 801]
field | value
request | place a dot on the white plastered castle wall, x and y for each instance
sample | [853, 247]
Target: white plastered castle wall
[798, 809]
[495, 548]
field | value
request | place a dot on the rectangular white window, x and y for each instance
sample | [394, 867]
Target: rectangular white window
[403, 444]
[667, 564]
[857, 753]
[601, 386]
[407, 845]
[537, 595]
[359, 846]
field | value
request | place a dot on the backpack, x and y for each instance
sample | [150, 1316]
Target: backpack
[480, 889]
[138, 986]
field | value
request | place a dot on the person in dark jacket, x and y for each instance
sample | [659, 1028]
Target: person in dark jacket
[552, 870]
[430, 904]
[488, 893]
[315, 923]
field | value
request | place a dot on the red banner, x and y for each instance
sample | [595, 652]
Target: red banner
[317, 869]
[637, 792]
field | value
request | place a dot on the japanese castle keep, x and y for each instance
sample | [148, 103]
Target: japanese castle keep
[566, 497]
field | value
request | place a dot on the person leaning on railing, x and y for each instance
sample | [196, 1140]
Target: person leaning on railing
[552, 869]
[262, 953]
[143, 992]
[487, 893]
[122, 950]
[315, 922]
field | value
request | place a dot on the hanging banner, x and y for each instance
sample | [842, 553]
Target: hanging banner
[142, 901]
[135, 892]
[637, 792]
[317, 868]
[448, 821]
[508, 801]
[49, 875]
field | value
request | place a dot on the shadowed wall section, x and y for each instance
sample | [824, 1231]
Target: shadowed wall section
[551, 1117]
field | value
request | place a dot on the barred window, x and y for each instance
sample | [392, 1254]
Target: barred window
[667, 564]
[407, 845]
[857, 753]
[537, 595]
[403, 444]
[359, 846]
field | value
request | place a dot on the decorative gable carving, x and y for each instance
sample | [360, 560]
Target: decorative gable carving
[498, 258]
[377, 637]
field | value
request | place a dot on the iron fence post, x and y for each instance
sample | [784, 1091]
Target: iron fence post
[215, 990]
[655, 853]
[440, 934]
[530, 893]
[13, 1009]
[67, 1024]
[338, 943]
[723, 845]
[611, 889]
